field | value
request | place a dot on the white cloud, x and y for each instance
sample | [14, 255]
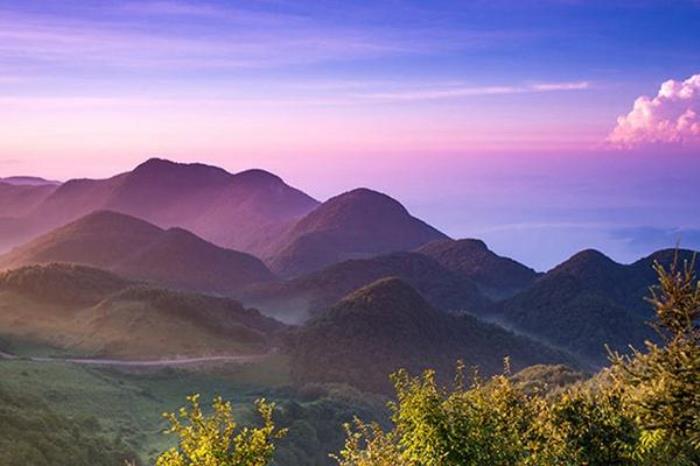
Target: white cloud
[452, 92]
[566, 86]
[672, 117]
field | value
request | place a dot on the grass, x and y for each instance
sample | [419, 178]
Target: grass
[130, 405]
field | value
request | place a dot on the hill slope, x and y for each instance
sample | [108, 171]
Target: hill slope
[297, 299]
[232, 210]
[498, 277]
[587, 302]
[388, 325]
[357, 224]
[138, 249]
[17, 200]
[89, 311]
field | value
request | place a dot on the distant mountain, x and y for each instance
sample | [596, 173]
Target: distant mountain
[498, 277]
[356, 224]
[17, 200]
[299, 298]
[388, 325]
[28, 181]
[232, 210]
[91, 312]
[138, 249]
[587, 302]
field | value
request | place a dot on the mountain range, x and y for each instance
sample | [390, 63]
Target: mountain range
[251, 238]
[387, 326]
[252, 211]
[137, 249]
[297, 299]
[588, 302]
[28, 181]
[92, 312]
[232, 210]
[497, 277]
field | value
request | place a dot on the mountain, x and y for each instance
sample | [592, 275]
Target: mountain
[497, 277]
[232, 210]
[28, 181]
[299, 298]
[388, 325]
[356, 224]
[92, 312]
[587, 302]
[138, 249]
[17, 200]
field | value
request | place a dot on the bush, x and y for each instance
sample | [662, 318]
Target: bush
[644, 410]
[216, 440]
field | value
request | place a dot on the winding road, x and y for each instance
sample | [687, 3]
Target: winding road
[147, 363]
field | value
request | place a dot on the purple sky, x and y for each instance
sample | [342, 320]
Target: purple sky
[519, 122]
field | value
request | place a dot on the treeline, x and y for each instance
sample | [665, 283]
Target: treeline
[642, 410]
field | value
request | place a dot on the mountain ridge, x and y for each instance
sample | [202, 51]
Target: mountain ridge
[138, 249]
[387, 325]
[356, 224]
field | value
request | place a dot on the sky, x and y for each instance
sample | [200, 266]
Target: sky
[542, 127]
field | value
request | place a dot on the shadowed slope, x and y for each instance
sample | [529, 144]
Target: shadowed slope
[136, 248]
[388, 325]
[299, 298]
[93, 312]
[589, 301]
[357, 224]
[498, 277]
[230, 209]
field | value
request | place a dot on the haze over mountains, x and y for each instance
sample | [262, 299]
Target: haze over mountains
[387, 325]
[233, 210]
[28, 181]
[357, 224]
[299, 298]
[357, 274]
[138, 249]
[89, 311]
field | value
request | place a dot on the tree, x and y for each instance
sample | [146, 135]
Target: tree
[216, 440]
[662, 385]
[643, 410]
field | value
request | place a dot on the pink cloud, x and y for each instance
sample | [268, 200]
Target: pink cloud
[672, 117]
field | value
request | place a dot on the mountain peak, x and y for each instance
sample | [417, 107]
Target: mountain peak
[158, 167]
[473, 242]
[392, 288]
[112, 219]
[357, 224]
[257, 175]
[366, 195]
[667, 256]
[497, 277]
[586, 259]
[155, 162]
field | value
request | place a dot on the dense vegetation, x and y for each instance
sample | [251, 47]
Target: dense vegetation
[33, 434]
[643, 410]
[387, 326]
[590, 301]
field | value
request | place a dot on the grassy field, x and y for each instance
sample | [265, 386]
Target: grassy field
[129, 405]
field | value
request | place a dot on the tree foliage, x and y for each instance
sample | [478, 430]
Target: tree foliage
[643, 410]
[217, 440]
